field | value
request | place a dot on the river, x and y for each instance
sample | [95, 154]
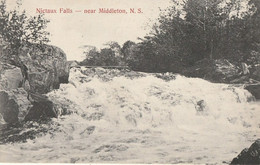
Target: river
[119, 116]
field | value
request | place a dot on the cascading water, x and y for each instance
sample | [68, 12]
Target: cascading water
[129, 117]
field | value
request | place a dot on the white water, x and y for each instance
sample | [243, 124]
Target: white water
[114, 116]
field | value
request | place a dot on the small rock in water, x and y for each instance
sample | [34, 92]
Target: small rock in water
[201, 107]
[89, 130]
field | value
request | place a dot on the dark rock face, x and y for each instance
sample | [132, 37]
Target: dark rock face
[14, 105]
[47, 67]
[254, 90]
[256, 73]
[249, 155]
[9, 109]
[41, 110]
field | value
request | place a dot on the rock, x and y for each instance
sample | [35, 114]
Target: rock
[226, 68]
[218, 71]
[240, 80]
[38, 70]
[14, 105]
[73, 64]
[254, 89]
[42, 108]
[47, 67]
[249, 156]
[10, 76]
[9, 109]
[256, 74]
[105, 74]
[201, 107]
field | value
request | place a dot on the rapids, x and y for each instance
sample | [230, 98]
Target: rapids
[121, 116]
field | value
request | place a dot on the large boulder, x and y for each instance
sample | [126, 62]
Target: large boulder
[36, 70]
[8, 108]
[249, 155]
[10, 76]
[14, 105]
[47, 67]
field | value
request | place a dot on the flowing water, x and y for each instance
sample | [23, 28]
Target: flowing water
[119, 116]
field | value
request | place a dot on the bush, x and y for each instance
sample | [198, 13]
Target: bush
[17, 29]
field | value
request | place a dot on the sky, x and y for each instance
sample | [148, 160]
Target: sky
[69, 31]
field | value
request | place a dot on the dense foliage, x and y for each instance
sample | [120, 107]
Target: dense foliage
[17, 29]
[188, 32]
[111, 55]
[200, 29]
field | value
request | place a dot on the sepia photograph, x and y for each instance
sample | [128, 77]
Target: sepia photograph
[130, 81]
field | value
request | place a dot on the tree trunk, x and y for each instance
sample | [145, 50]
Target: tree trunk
[211, 49]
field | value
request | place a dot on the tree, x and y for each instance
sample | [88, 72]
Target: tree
[91, 56]
[127, 49]
[114, 46]
[108, 57]
[194, 30]
[17, 29]
[105, 57]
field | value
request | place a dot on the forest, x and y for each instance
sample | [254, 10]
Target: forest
[190, 33]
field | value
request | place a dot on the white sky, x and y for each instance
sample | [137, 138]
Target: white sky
[70, 31]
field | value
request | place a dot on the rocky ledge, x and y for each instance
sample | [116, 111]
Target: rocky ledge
[47, 67]
[22, 87]
[249, 155]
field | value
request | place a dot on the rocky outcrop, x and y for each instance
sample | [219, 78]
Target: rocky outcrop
[47, 67]
[36, 70]
[10, 76]
[14, 105]
[9, 108]
[249, 155]
[219, 71]
[226, 68]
